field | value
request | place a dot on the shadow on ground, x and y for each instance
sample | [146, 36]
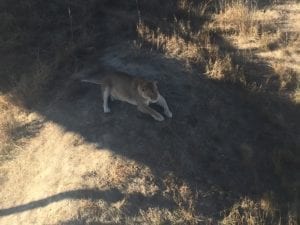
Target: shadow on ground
[109, 196]
[223, 141]
[93, 194]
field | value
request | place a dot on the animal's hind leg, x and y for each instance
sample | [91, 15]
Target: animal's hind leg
[106, 94]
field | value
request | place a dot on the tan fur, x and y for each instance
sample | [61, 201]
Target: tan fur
[134, 90]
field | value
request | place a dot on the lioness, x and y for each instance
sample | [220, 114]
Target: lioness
[131, 89]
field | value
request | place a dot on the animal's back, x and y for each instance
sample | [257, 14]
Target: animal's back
[122, 85]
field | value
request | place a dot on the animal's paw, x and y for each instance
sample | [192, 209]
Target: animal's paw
[169, 114]
[159, 118]
[106, 110]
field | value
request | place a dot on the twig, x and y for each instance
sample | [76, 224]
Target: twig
[71, 23]
[138, 12]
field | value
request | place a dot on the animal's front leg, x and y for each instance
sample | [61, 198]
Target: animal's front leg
[106, 93]
[163, 103]
[146, 109]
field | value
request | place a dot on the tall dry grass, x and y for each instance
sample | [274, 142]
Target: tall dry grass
[250, 212]
[15, 127]
[237, 17]
[173, 46]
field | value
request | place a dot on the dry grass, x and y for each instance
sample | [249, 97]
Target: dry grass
[16, 126]
[288, 78]
[8, 146]
[237, 18]
[258, 33]
[157, 216]
[173, 46]
[31, 86]
[194, 7]
[197, 51]
[185, 199]
[120, 171]
[296, 95]
[284, 60]
[250, 212]
[218, 67]
[10, 120]
[244, 25]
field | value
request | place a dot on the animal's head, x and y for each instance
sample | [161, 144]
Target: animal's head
[149, 90]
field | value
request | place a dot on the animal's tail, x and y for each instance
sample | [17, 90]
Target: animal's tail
[93, 81]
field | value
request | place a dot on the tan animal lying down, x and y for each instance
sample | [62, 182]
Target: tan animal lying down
[131, 89]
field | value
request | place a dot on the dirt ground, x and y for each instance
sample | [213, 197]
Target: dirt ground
[81, 166]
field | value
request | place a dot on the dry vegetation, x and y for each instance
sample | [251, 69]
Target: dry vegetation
[243, 26]
[253, 47]
[16, 126]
